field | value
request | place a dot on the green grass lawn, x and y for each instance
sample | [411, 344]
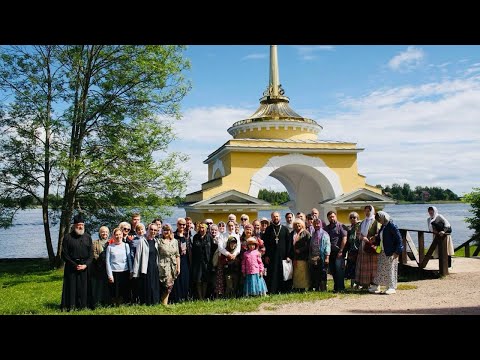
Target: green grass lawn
[30, 287]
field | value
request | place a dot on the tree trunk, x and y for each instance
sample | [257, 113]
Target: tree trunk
[48, 236]
[67, 211]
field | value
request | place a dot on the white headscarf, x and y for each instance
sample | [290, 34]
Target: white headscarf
[431, 219]
[384, 216]
[368, 221]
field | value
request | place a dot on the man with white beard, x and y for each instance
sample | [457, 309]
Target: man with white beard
[77, 252]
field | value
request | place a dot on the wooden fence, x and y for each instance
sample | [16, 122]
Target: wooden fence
[419, 254]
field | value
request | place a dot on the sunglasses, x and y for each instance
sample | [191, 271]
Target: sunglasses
[243, 219]
[126, 229]
[209, 223]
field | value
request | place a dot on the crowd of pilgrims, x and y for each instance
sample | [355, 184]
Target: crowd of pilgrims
[138, 264]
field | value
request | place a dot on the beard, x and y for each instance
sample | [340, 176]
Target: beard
[79, 232]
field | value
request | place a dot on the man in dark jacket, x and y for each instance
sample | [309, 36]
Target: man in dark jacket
[78, 255]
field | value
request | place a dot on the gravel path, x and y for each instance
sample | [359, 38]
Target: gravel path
[456, 294]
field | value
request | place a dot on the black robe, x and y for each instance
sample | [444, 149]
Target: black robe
[77, 250]
[276, 252]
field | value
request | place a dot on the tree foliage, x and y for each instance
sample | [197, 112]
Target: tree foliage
[474, 222]
[87, 123]
[273, 197]
[419, 194]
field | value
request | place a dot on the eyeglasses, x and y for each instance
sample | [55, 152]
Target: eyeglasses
[353, 217]
[152, 230]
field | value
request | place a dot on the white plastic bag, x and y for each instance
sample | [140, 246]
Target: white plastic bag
[287, 270]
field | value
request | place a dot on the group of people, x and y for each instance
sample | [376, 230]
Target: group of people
[157, 264]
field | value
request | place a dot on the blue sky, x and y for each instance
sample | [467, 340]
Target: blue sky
[415, 109]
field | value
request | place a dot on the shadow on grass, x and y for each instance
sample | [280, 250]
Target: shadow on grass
[25, 266]
[52, 306]
[29, 279]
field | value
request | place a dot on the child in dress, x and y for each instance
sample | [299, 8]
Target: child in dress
[252, 270]
[228, 270]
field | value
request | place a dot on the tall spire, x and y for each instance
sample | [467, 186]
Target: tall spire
[274, 75]
[275, 112]
[274, 92]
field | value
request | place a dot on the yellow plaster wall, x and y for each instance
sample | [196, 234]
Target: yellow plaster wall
[245, 164]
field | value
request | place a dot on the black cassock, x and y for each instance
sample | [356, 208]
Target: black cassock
[276, 252]
[77, 250]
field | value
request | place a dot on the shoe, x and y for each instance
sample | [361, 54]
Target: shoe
[374, 289]
[390, 291]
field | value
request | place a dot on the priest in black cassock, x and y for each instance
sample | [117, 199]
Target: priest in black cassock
[278, 247]
[77, 253]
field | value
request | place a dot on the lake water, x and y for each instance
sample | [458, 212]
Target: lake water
[26, 238]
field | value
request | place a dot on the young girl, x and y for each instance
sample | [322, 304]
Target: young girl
[228, 270]
[252, 270]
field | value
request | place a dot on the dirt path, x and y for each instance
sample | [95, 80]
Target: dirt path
[456, 294]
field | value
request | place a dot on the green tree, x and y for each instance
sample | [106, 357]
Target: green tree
[89, 122]
[273, 197]
[474, 222]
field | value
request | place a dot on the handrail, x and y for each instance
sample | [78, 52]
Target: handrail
[473, 238]
[421, 258]
[466, 244]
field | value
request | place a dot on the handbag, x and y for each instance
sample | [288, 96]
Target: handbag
[287, 270]
[369, 248]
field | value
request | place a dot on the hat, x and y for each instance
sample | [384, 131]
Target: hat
[264, 219]
[78, 219]
[252, 240]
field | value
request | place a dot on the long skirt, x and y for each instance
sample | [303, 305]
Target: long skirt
[387, 271]
[254, 285]
[366, 267]
[182, 282]
[301, 275]
[450, 249]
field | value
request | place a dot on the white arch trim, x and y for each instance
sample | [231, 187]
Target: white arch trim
[277, 162]
[218, 165]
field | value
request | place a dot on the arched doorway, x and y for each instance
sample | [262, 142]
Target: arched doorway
[307, 179]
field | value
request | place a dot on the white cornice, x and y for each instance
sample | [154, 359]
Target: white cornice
[280, 150]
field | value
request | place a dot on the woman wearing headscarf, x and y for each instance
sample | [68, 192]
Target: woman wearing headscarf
[300, 238]
[390, 241]
[367, 262]
[440, 226]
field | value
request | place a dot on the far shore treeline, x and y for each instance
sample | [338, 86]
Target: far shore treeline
[401, 193]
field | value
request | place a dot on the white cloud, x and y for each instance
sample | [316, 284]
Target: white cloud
[255, 56]
[404, 94]
[433, 142]
[407, 59]
[308, 52]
